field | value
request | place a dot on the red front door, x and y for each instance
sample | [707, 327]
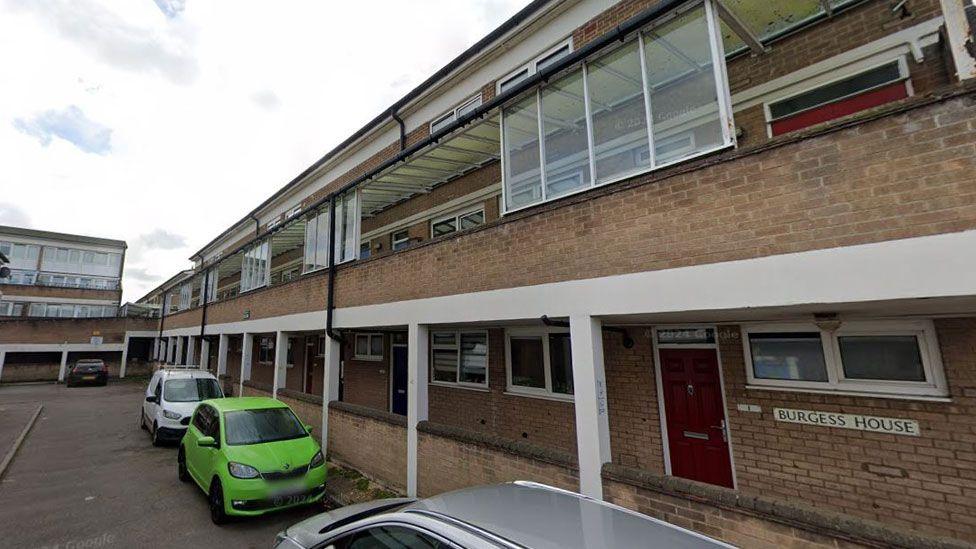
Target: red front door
[695, 416]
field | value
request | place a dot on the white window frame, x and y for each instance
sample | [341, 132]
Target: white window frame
[928, 347]
[843, 73]
[394, 241]
[538, 392]
[186, 295]
[532, 66]
[454, 113]
[457, 219]
[247, 272]
[724, 106]
[457, 368]
[369, 346]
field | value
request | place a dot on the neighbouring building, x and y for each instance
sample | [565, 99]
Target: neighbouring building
[61, 303]
[709, 260]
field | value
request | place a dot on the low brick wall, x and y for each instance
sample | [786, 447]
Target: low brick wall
[451, 458]
[370, 441]
[751, 521]
[307, 407]
[256, 389]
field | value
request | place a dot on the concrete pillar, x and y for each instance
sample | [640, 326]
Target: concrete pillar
[3, 357]
[125, 356]
[280, 363]
[191, 346]
[590, 397]
[64, 366]
[169, 350]
[222, 345]
[247, 349]
[331, 370]
[204, 354]
[418, 343]
[179, 351]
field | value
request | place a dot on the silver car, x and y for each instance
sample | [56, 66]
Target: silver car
[515, 515]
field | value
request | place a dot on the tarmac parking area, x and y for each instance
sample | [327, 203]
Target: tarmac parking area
[87, 476]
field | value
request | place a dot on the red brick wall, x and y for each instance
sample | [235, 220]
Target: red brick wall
[545, 423]
[366, 382]
[71, 330]
[375, 447]
[927, 483]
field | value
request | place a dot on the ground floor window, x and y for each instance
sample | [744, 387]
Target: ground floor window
[539, 361]
[266, 347]
[459, 357]
[369, 347]
[885, 357]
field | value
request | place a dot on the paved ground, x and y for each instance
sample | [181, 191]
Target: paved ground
[87, 476]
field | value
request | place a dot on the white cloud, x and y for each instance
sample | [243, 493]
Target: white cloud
[13, 216]
[163, 240]
[69, 124]
[211, 109]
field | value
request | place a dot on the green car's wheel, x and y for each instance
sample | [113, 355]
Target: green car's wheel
[181, 466]
[217, 513]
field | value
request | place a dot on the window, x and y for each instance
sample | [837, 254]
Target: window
[401, 240]
[884, 357]
[8, 308]
[659, 99]
[457, 222]
[266, 349]
[364, 250]
[293, 212]
[459, 357]
[346, 234]
[537, 64]
[255, 266]
[455, 113]
[848, 95]
[540, 362]
[22, 252]
[208, 284]
[369, 347]
[388, 536]
[186, 295]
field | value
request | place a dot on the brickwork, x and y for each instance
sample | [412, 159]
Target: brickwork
[452, 462]
[70, 330]
[534, 420]
[927, 483]
[367, 382]
[635, 430]
[369, 441]
[53, 292]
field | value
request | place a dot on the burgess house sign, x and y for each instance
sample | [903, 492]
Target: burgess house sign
[888, 425]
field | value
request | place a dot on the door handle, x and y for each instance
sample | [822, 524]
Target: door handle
[721, 427]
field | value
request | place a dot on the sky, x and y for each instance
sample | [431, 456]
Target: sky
[162, 122]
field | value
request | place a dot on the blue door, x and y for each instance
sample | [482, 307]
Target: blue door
[399, 400]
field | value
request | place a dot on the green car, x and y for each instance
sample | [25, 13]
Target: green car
[251, 455]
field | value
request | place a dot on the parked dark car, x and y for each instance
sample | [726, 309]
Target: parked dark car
[87, 371]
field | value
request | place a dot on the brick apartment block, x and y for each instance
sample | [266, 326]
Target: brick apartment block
[710, 261]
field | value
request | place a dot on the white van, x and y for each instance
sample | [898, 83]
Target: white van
[171, 398]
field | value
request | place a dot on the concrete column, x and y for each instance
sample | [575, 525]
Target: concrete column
[331, 370]
[179, 351]
[3, 357]
[247, 349]
[204, 354]
[280, 363]
[418, 343]
[191, 345]
[125, 356]
[590, 397]
[169, 350]
[64, 366]
[222, 345]
[960, 38]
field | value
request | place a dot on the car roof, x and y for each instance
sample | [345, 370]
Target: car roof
[80, 360]
[244, 403]
[539, 516]
[185, 374]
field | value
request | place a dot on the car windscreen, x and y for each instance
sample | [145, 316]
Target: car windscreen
[257, 426]
[88, 366]
[190, 389]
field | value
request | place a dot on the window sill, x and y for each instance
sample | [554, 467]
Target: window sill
[558, 398]
[450, 385]
[368, 358]
[902, 396]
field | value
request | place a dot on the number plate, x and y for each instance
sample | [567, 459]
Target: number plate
[88, 378]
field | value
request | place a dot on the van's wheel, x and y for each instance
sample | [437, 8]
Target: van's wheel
[155, 435]
[217, 513]
[181, 471]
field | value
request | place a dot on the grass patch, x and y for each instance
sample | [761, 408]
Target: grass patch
[362, 484]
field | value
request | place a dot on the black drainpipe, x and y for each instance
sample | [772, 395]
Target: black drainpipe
[203, 316]
[162, 319]
[403, 129]
[329, 306]
[627, 340]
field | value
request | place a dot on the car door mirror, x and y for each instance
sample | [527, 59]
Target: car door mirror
[308, 428]
[151, 398]
[207, 442]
